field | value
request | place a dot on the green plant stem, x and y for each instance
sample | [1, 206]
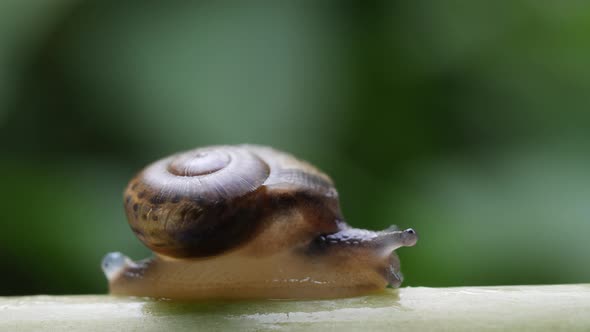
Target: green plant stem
[534, 308]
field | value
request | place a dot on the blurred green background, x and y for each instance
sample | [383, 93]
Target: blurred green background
[468, 121]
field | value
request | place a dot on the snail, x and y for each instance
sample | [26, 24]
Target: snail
[247, 221]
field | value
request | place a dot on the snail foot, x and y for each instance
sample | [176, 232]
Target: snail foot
[114, 263]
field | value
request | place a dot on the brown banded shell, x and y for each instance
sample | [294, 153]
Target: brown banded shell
[209, 200]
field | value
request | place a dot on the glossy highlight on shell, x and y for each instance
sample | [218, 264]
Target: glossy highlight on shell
[237, 221]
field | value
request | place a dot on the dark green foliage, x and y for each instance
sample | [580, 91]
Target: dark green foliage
[467, 121]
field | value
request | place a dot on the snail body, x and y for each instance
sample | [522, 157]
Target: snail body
[247, 222]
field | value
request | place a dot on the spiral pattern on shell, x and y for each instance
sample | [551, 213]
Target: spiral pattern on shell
[205, 201]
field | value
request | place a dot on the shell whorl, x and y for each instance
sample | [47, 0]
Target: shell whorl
[205, 201]
[206, 175]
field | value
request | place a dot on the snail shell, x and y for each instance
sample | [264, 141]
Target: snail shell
[247, 215]
[207, 201]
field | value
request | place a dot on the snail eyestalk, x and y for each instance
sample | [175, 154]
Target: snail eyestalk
[385, 241]
[390, 241]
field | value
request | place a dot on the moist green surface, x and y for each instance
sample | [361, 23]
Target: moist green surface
[534, 308]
